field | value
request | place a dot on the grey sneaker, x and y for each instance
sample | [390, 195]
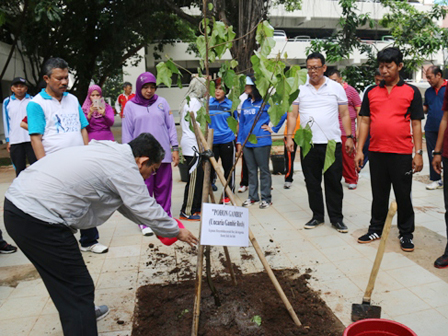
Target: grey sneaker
[265, 204]
[248, 202]
[101, 312]
[287, 185]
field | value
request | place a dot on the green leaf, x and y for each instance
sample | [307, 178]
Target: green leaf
[200, 42]
[170, 64]
[210, 6]
[201, 118]
[304, 139]
[256, 319]
[233, 64]
[253, 139]
[212, 88]
[163, 74]
[233, 124]
[329, 154]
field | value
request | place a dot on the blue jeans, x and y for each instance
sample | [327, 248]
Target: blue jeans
[431, 140]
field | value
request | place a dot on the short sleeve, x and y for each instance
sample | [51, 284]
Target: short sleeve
[82, 118]
[340, 94]
[416, 107]
[36, 118]
[355, 97]
[365, 106]
[445, 101]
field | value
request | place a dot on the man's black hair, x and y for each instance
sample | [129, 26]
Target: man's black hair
[316, 55]
[255, 93]
[389, 55]
[435, 70]
[146, 145]
[125, 84]
[377, 73]
[53, 63]
[333, 71]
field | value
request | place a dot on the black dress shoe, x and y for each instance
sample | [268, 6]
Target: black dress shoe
[441, 262]
[340, 227]
[313, 223]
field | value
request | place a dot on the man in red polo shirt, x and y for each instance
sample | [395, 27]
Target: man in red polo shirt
[354, 106]
[126, 96]
[440, 156]
[387, 111]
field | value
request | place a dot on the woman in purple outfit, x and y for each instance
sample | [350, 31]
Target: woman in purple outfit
[100, 118]
[147, 112]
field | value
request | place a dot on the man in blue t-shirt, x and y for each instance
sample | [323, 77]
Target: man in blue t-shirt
[433, 107]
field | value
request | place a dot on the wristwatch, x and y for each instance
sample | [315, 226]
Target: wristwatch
[436, 153]
[419, 152]
[349, 136]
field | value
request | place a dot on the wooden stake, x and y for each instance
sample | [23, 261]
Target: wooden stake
[200, 262]
[251, 235]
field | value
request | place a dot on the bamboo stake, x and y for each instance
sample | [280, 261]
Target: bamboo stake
[200, 263]
[226, 249]
[251, 235]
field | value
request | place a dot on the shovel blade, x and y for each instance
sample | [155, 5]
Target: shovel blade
[365, 310]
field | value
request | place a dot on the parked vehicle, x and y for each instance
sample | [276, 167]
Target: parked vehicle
[280, 35]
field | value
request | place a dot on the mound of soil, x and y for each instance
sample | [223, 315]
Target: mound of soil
[168, 309]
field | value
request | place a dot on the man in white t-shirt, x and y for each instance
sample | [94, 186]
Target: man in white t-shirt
[319, 103]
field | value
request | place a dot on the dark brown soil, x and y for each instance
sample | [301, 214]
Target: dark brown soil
[168, 309]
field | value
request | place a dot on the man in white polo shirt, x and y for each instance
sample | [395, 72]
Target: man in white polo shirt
[319, 103]
[56, 121]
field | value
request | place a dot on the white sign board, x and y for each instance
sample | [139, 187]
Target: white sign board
[224, 225]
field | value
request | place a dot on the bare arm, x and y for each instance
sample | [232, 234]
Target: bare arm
[38, 147]
[346, 123]
[417, 162]
[364, 129]
[291, 124]
[85, 136]
[358, 120]
[425, 108]
[437, 159]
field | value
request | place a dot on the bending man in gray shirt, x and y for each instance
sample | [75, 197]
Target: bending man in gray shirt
[79, 188]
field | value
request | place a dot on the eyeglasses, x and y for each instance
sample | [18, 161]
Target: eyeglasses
[315, 68]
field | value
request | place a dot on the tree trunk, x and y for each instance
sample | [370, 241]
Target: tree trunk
[250, 13]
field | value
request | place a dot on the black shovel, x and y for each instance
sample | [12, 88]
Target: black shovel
[365, 309]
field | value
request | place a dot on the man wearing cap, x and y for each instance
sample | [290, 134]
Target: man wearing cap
[17, 139]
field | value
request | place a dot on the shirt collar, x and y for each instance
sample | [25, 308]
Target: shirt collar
[13, 96]
[309, 84]
[401, 82]
[45, 95]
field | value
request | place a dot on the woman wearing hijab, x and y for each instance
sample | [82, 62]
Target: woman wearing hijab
[191, 206]
[147, 112]
[256, 155]
[100, 118]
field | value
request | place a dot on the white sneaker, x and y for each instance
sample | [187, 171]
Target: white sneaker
[352, 186]
[101, 312]
[242, 189]
[248, 203]
[287, 185]
[146, 231]
[435, 185]
[95, 248]
[265, 204]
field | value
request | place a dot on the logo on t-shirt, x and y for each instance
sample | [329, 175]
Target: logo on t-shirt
[66, 123]
[160, 106]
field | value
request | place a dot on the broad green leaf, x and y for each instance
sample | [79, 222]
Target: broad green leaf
[233, 64]
[253, 139]
[304, 139]
[201, 118]
[187, 118]
[210, 6]
[163, 74]
[233, 124]
[200, 43]
[329, 154]
[212, 88]
[170, 64]
[220, 28]
[256, 319]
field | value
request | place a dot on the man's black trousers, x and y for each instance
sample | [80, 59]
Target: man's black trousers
[312, 167]
[54, 252]
[19, 153]
[386, 170]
